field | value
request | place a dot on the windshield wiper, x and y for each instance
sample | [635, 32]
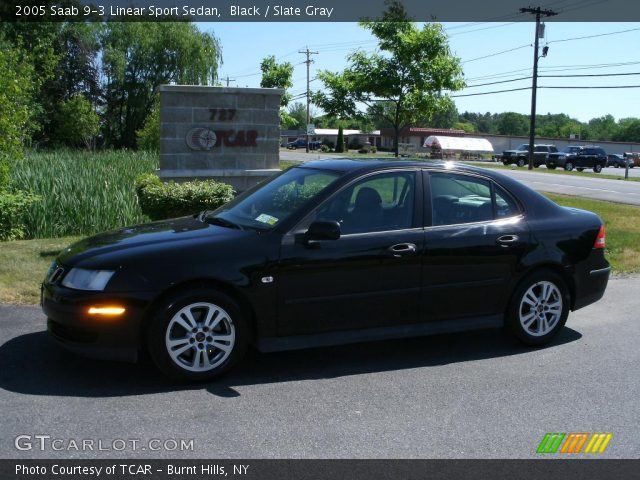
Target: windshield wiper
[222, 222]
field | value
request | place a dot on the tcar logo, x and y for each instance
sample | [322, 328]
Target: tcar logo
[201, 139]
[574, 442]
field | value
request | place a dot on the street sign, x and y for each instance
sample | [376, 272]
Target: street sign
[311, 129]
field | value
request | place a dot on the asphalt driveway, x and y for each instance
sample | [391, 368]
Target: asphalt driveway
[473, 395]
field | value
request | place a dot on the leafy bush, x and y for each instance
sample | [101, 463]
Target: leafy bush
[13, 210]
[161, 200]
[325, 148]
[77, 122]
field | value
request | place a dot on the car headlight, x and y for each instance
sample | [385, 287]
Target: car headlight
[83, 279]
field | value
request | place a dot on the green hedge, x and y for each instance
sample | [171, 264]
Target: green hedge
[161, 200]
[13, 211]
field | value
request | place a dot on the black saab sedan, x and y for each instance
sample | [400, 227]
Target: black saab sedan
[330, 252]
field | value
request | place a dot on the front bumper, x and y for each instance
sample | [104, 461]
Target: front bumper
[96, 336]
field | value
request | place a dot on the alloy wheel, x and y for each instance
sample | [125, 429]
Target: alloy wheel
[540, 308]
[200, 337]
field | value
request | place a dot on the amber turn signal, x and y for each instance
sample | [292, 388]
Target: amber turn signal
[111, 310]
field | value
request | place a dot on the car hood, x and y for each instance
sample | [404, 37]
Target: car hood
[149, 236]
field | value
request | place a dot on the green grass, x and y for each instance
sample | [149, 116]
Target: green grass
[622, 224]
[82, 192]
[24, 264]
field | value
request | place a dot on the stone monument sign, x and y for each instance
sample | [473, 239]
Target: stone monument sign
[228, 134]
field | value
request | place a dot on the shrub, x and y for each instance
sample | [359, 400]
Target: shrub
[325, 148]
[161, 200]
[13, 209]
[77, 122]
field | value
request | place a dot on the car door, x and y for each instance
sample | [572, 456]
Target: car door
[475, 239]
[370, 276]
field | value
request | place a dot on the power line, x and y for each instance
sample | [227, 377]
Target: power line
[592, 86]
[556, 76]
[497, 53]
[594, 36]
[490, 93]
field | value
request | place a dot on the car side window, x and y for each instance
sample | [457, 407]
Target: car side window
[506, 206]
[459, 199]
[540, 149]
[377, 203]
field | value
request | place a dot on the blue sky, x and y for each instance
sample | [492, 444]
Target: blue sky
[245, 44]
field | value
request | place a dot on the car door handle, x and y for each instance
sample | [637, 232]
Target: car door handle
[507, 240]
[402, 249]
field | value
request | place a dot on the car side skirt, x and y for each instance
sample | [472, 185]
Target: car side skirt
[343, 337]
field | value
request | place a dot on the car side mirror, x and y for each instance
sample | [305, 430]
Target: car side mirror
[323, 230]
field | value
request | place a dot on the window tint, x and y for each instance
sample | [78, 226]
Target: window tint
[505, 204]
[540, 149]
[376, 203]
[459, 199]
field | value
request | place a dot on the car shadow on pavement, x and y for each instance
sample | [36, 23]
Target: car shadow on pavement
[32, 364]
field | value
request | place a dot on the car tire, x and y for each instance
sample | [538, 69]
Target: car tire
[216, 340]
[539, 308]
[597, 168]
[580, 169]
[568, 166]
[520, 162]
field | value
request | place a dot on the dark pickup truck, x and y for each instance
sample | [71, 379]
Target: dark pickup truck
[520, 156]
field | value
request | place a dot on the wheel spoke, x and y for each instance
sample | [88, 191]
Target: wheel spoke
[219, 342]
[546, 291]
[530, 298]
[180, 321]
[179, 351]
[205, 358]
[197, 359]
[542, 324]
[189, 316]
[527, 320]
[213, 318]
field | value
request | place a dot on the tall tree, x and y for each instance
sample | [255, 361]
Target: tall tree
[512, 123]
[279, 75]
[138, 58]
[404, 82]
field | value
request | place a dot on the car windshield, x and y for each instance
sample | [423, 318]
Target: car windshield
[270, 205]
[524, 146]
[570, 149]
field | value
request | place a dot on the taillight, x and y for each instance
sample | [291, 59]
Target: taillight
[600, 239]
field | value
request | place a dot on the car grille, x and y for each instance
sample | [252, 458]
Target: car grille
[71, 334]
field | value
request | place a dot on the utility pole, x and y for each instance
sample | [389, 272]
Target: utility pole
[229, 80]
[308, 53]
[534, 88]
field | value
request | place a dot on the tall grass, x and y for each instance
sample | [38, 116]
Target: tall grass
[82, 192]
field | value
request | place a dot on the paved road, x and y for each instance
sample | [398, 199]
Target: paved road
[474, 395]
[575, 184]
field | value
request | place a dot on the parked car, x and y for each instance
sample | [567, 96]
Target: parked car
[578, 157]
[302, 143]
[634, 159]
[520, 156]
[618, 161]
[329, 252]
